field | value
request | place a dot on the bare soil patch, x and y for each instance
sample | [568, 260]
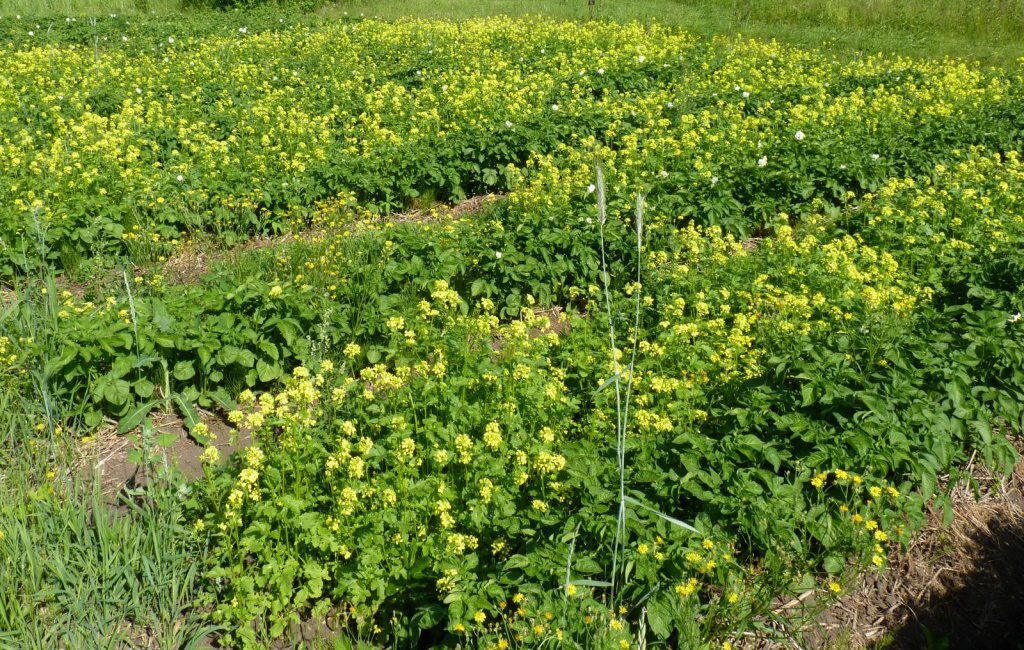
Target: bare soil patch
[955, 586]
[108, 455]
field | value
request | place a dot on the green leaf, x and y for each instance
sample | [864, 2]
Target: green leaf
[121, 367]
[590, 583]
[183, 371]
[671, 520]
[834, 564]
[134, 417]
[116, 392]
[607, 382]
[166, 439]
[191, 418]
[661, 616]
[143, 388]
[92, 418]
[267, 371]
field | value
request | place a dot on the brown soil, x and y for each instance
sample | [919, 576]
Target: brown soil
[193, 261]
[955, 586]
[106, 455]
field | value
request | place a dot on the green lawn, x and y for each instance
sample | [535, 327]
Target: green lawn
[991, 31]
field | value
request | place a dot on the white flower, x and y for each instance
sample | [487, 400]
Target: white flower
[736, 88]
[842, 166]
[124, 38]
[497, 254]
[641, 58]
[874, 156]
[31, 33]
[180, 178]
[138, 91]
[600, 71]
[508, 124]
[243, 30]
[799, 135]
[714, 180]
[591, 188]
[1016, 317]
[670, 104]
[170, 39]
[746, 93]
[762, 161]
[663, 173]
[554, 107]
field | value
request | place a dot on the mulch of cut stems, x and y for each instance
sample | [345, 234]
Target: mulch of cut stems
[194, 260]
[955, 586]
[107, 455]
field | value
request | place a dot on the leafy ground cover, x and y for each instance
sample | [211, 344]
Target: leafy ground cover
[810, 269]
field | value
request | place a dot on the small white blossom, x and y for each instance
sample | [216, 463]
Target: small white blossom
[663, 173]
[714, 180]
[170, 39]
[180, 178]
[641, 58]
[554, 107]
[497, 254]
[799, 135]
[874, 156]
[600, 71]
[762, 161]
[1016, 317]
[591, 188]
[508, 124]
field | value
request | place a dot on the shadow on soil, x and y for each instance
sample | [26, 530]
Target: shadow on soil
[977, 609]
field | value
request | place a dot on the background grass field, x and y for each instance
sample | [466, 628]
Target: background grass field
[989, 30]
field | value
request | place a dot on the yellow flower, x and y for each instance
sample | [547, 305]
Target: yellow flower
[276, 291]
[834, 587]
[480, 617]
